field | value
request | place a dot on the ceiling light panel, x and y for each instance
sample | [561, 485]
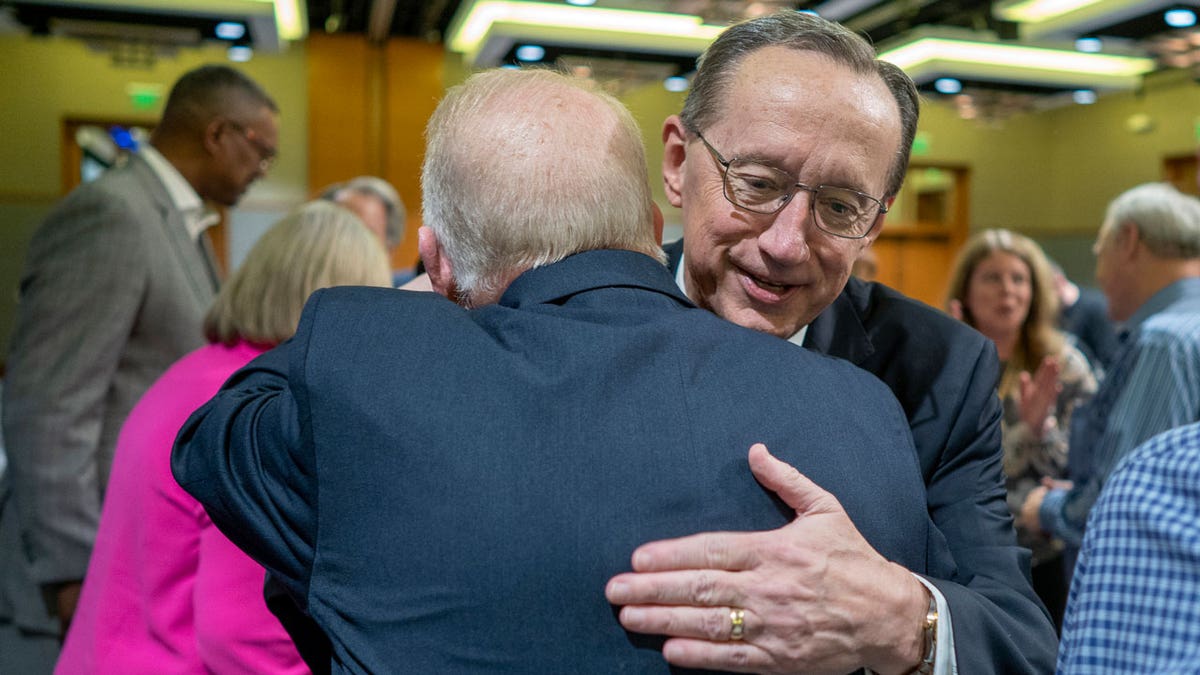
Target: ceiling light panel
[482, 21]
[1061, 19]
[928, 57]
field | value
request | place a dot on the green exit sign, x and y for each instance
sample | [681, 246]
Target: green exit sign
[144, 96]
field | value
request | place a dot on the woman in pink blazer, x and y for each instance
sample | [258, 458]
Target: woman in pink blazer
[165, 592]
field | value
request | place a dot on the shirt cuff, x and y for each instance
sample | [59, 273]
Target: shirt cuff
[1050, 514]
[944, 661]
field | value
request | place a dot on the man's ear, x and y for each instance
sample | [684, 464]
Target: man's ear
[1129, 239]
[212, 135]
[437, 264]
[674, 138]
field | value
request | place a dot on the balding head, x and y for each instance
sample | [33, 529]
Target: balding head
[524, 168]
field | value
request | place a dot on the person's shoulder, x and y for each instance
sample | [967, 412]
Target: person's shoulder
[120, 190]
[1074, 362]
[1176, 451]
[780, 359]
[380, 297]
[1176, 325]
[379, 305]
[1157, 479]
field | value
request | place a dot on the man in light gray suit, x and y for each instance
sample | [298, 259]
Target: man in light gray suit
[115, 287]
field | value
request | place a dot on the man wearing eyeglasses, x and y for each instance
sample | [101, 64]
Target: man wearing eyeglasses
[116, 283]
[791, 145]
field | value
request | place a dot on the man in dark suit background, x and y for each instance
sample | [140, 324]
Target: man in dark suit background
[468, 520]
[790, 122]
[116, 284]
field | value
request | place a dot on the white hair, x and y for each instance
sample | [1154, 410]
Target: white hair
[524, 168]
[1167, 219]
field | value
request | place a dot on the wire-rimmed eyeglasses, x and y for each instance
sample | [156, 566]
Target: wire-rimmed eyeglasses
[266, 154]
[759, 188]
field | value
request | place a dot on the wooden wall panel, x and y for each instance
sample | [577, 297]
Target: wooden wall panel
[338, 108]
[925, 266]
[368, 106]
[415, 84]
[887, 260]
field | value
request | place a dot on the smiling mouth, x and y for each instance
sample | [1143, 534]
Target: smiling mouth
[774, 288]
[763, 290]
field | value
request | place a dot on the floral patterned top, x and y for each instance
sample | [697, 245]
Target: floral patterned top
[1028, 459]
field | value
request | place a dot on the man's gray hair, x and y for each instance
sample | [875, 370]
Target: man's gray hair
[1167, 219]
[524, 168]
[716, 68]
[373, 186]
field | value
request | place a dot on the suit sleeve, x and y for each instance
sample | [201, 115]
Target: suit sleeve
[247, 456]
[999, 624]
[80, 296]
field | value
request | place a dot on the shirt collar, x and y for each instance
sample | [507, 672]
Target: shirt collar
[796, 339]
[196, 217]
[1163, 299]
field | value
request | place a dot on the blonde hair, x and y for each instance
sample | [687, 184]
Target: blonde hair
[1039, 335]
[318, 245]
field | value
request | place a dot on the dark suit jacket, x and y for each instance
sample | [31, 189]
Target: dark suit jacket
[448, 490]
[944, 374]
[114, 291]
[1088, 321]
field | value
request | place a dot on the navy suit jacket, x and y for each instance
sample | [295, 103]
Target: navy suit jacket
[445, 490]
[944, 374]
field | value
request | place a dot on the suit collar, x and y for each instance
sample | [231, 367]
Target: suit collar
[203, 276]
[587, 271]
[839, 330]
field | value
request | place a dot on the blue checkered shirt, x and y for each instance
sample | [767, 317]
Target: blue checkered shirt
[1134, 605]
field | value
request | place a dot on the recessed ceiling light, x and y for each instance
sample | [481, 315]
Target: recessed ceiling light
[530, 53]
[230, 30]
[1084, 96]
[947, 85]
[581, 3]
[1090, 45]
[239, 53]
[676, 83]
[1180, 18]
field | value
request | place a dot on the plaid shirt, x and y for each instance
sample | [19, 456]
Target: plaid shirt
[1134, 605]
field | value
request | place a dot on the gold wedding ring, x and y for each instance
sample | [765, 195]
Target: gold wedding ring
[737, 617]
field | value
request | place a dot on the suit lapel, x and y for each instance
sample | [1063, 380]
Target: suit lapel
[189, 256]
[839, 330]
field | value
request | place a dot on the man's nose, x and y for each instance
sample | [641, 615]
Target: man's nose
[786, 238]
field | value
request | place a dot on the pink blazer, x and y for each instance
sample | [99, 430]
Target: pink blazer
[165, 592]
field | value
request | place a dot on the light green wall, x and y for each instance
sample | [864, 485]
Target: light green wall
[44, 80]
[1050, 173]
[650, 105]
[1094, 156]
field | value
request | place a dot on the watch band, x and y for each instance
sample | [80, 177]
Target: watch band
[930, 630]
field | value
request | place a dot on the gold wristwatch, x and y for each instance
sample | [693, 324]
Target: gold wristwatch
[929, 628]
